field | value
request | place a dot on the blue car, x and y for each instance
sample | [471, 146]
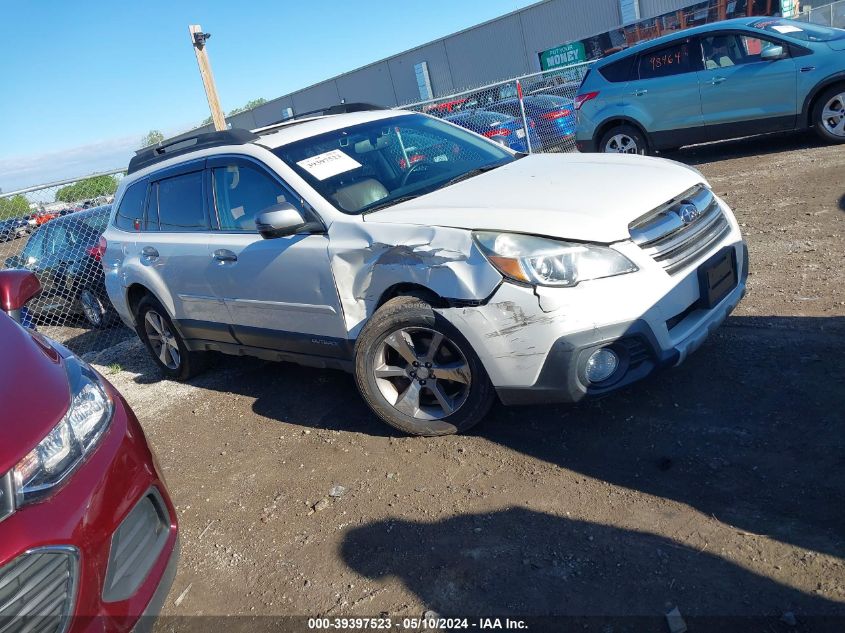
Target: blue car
[504, 129]
[714, 82]
[554, 116]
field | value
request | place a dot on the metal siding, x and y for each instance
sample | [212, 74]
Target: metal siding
[245, 120]
[653, 8]
[271, 111]
[487, 53]
[321, 95]
[404, 79]
[370, 84]
[560, 21]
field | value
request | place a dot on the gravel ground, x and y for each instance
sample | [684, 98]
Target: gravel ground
[715, 487]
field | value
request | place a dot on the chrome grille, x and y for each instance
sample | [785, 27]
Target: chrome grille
[674, 243]
[37, 591]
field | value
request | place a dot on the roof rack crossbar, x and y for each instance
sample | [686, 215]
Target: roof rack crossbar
[341, 108]
[160, 152]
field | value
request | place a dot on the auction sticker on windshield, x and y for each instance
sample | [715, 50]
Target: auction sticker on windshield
[328, 164]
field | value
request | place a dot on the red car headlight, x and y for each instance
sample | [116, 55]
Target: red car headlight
[70, 441]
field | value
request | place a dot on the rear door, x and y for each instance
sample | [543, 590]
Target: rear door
[743, 94]
[173, 243]
[279, 293]
[664, 93]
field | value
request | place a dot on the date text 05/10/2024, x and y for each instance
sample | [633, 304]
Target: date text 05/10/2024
[416, 624]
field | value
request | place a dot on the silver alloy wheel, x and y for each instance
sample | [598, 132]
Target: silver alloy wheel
[92, 307]
[621, 144]
[162, 340]
[422, 373]
[833, 115]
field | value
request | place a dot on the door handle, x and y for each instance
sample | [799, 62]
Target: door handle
[640, 93]
[224, 255]
[808, 69]
[718, 80]
[148, 252]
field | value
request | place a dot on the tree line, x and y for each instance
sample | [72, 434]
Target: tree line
[18, 206]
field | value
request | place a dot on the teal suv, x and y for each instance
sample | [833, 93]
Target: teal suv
[724, 80]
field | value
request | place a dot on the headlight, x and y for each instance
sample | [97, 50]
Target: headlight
[64, 448]
[547, 262]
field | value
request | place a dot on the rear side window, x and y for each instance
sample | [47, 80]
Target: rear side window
[180, 204]
[665, 62]
[619, 71]
[131, 207]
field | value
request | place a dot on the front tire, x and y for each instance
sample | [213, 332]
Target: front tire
[829, 115]
[418, 373]
[624, 139]
[165, 344]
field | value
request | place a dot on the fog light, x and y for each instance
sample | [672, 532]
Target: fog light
[601, 364]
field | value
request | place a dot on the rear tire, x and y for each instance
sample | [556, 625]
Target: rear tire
[97, 314]
[829, 114]
[165, 344]
[624, 139]
[418, 373]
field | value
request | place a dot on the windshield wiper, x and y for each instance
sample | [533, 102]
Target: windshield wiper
[387, 203]
[471, 174]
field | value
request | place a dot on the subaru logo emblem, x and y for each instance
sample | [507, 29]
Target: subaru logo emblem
[688, 213]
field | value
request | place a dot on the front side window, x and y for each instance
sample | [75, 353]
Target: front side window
[362, 168]
[731, 49]
[241, 192]
[665, 62]
[180, 204]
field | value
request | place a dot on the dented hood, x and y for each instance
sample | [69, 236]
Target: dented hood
[588, 197]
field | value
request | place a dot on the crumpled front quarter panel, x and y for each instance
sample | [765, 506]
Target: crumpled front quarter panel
[368, 258]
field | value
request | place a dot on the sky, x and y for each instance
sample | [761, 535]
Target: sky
[85, 80]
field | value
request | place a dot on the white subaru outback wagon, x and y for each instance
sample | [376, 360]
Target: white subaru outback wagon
[439, 267]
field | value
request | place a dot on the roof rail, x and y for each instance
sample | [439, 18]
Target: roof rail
[162, 151]
[341, 108]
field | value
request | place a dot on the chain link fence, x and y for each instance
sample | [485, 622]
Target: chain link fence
[532, 113]
[54, 231]
[828, 15]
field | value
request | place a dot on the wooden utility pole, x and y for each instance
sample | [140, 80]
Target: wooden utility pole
[198, 39]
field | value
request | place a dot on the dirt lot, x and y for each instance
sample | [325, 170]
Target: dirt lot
[715, 487]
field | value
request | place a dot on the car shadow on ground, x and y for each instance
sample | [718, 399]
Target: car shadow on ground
[522, 562]
[745, 147]
[750, 429]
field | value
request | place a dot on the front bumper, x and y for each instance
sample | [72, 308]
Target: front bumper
[534, 342]
[115, 522]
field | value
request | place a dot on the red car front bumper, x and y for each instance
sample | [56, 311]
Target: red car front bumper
[102, 549]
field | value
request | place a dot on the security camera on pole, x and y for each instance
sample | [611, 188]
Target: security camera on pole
[198, 39]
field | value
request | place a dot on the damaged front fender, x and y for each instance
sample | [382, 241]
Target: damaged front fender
[369, 258]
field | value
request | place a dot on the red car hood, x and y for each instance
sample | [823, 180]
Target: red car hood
[34, 392]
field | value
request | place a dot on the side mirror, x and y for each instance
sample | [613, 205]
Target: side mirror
[772, 53]
[280, 220]
[17, 287]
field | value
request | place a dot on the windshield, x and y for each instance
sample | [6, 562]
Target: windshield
[803, 31]
[369, 166]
